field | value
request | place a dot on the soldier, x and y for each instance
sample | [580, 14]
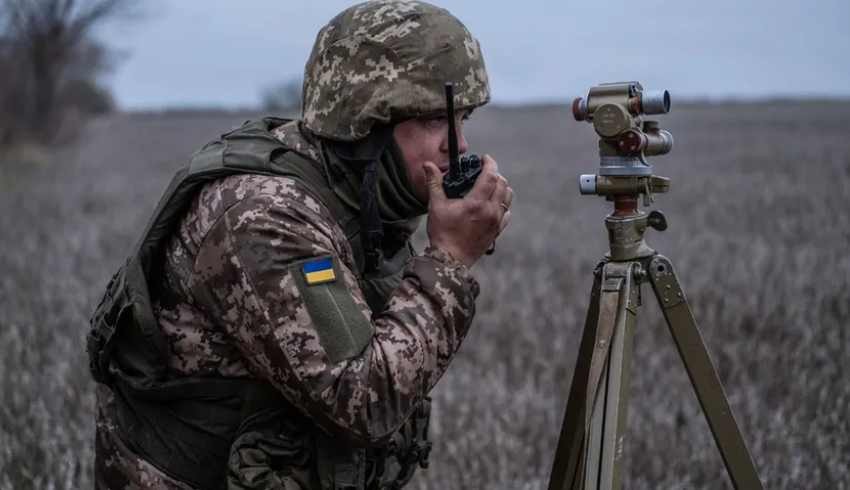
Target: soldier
[273, 327]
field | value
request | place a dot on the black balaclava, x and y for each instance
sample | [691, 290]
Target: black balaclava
[370, 176]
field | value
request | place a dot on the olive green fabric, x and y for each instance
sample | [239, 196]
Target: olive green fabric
[382, 281]
[185, 427]
[399, 210]
[397, 203]
[260, 459]
[343, 330]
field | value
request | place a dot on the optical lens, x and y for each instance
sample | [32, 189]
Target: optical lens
[655, 102]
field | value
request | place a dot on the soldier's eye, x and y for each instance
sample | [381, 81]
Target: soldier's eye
[435, 122]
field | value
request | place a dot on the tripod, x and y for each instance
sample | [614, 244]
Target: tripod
[590, 449]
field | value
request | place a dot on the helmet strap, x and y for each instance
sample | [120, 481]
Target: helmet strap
[371, 227]
[366, 154]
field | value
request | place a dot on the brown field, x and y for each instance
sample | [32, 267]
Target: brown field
[759, 234]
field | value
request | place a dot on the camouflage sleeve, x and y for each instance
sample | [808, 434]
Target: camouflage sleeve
[244, 274]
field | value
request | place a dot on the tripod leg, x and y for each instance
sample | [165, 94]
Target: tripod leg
[608, 419]
[565, 468]
[715, 406]
[594, 435]
[617, 388]
[582, 445]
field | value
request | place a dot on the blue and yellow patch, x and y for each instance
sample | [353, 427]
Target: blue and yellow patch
[319, 271]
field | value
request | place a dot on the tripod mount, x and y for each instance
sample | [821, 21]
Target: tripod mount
[590, 449]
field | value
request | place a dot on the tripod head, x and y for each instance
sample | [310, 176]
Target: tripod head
[625, 139]
[625, 142]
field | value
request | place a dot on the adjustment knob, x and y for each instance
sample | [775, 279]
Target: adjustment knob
[587, 183]
[657, 220]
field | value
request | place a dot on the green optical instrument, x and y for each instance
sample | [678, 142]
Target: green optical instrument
[590, 450]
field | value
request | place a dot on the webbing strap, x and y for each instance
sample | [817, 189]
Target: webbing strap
[185, 426]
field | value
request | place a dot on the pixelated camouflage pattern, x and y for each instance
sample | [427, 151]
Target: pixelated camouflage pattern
[388, 60]
[229, 307]
[293, 138]
[116, 467]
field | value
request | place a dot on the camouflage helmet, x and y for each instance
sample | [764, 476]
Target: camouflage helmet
[385, 61]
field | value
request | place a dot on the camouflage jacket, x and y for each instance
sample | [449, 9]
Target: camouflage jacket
[230, 308]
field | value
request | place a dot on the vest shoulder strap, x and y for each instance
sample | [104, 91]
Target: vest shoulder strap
[249, 149]
[128, 351]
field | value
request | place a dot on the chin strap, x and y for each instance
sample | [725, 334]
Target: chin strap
[366, 155]
[372, 230]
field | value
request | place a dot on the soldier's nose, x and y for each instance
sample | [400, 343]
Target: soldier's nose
[462, 145]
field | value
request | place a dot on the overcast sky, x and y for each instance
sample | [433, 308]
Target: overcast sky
[224, 52]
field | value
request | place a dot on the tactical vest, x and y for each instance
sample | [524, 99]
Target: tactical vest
[186, 426]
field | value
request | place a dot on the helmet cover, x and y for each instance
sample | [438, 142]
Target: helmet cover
[385, 61]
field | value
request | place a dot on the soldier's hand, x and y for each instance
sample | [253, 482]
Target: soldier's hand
[466, 227]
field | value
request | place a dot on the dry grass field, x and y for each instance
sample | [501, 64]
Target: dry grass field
[759, 234]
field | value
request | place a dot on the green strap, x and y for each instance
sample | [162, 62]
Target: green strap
[146, 399]
[294, 164]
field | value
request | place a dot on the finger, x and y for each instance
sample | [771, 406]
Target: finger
[506, 219]
[502, 179]
[434, 179]
[486, 182]
[510, 198]
[488, 157]
[500, 194]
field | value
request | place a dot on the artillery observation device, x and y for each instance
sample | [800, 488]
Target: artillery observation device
[590, 448]
[625, 139]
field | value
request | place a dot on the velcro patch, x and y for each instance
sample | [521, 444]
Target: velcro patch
[318, 271]
[343, 329]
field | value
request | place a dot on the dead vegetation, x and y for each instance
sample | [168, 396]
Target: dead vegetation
[758, 234]
[52, 63]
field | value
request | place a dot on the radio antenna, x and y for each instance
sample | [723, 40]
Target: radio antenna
[454, 164]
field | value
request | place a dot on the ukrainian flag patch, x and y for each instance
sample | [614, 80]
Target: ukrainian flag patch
[319, 271]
